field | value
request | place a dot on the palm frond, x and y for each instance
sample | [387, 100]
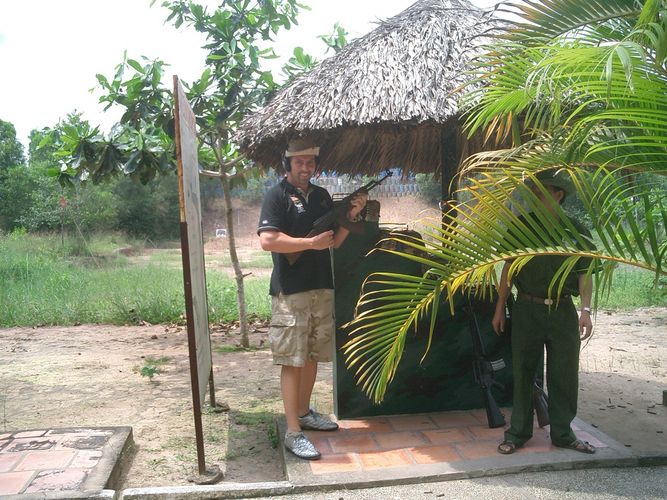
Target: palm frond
[395, 304]
[578, 86]
[548, 19]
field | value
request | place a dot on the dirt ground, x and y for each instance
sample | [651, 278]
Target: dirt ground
[89, 375]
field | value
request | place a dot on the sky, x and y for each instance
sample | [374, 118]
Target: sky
[51, 50]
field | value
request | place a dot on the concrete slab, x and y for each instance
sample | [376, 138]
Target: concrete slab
[76, 462]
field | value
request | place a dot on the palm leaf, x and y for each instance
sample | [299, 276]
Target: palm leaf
[385, 317]
[580, 86]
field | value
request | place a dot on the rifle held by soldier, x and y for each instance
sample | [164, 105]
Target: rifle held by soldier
[483, 371]
[541, 405]
[540, 399]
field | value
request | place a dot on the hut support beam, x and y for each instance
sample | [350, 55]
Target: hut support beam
[449, 162]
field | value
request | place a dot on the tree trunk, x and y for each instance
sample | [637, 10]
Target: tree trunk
[238, 273]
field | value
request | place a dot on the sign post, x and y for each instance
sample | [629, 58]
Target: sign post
[194, 273]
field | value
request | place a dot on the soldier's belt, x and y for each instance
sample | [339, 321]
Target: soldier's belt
[539, 300]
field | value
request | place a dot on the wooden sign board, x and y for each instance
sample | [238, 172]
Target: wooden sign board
[192, 244]
[194, 272]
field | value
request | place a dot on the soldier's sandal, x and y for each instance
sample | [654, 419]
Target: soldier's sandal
[579, 445]
[507, 447]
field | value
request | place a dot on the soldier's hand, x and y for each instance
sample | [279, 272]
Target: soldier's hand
[585, 325]
[323, 240]
[498, 322]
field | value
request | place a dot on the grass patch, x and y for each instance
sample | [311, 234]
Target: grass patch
[234, 348]
[222, 297]
[633, 288]
[252, 419]
[165, 256]
[249, 425]
[152, 366]
[259, 259]
[46, 284]
[49, 281]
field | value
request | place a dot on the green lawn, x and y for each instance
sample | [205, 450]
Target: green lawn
[48, 281]
[45, 282]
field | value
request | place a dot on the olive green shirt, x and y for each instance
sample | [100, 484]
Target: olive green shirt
[536, 275]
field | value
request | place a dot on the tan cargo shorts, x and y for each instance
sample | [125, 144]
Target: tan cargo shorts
[302, 327]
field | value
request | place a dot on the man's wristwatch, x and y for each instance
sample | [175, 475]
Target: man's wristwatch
[587, 309]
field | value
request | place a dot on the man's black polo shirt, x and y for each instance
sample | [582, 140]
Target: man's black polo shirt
[285, 209]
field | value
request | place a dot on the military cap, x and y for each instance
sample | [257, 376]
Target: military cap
[557, 178]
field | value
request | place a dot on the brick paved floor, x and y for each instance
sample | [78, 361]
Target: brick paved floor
[405, 441]
[59, 460]
[379, 448]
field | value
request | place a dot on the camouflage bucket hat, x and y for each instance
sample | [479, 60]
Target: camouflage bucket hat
[301, 146]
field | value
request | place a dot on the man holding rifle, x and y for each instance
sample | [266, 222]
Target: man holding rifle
[302, 323]
[539, 321]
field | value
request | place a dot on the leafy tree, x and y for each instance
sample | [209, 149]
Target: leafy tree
[580, 86]
[85, 209]
[14, 182]
[11, 149]
[300, 62]
[76, 207]
[147, 210]
[429, 187]
[231, 84]
[335, 40]
[17, 185]
[43, 155]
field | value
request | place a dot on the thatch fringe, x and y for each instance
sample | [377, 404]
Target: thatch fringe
[380, 102]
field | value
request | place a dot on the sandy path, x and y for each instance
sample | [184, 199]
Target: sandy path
[88, 375]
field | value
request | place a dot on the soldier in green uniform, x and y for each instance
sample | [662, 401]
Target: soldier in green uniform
[541, 318]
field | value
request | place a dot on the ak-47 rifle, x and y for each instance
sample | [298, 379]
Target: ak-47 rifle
[338, 215]
[483, 371]
[540, 399]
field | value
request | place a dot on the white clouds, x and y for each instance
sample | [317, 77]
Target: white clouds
[50, 50]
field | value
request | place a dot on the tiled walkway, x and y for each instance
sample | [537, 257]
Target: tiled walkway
[82, 462]
[427, 444]
[60, 460]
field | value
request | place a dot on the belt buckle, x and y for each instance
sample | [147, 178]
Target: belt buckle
[548, 302]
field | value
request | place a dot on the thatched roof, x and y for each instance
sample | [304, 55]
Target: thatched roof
[383, 101]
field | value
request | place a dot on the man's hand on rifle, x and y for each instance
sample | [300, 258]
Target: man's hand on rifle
[322, 241]
[357, 204]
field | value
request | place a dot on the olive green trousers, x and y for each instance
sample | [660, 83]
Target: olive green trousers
[535, 326]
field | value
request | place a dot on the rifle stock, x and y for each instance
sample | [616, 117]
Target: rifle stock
[338, 215]
[541, 405]
[540, 399]
[483, 370]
